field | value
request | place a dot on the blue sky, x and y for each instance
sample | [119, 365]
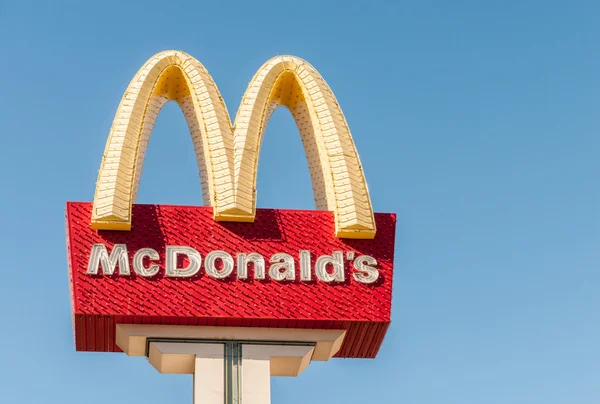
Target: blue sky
[476, 122]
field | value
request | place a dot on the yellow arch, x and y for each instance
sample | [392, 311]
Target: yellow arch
[167, 76]
[228, 156]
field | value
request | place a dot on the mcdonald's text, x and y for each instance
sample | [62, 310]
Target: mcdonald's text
[220, 264]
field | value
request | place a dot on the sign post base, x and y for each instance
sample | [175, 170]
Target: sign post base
[230, 365]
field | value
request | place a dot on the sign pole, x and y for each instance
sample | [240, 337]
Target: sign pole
[231, 372]
[208, 379]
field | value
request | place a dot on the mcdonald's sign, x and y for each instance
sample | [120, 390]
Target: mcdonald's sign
[228, 263]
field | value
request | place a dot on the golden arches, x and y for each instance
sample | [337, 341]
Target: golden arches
[228, 156]
[166, 76]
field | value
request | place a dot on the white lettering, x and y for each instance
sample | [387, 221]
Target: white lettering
[283, 262]
[242, 265]
[138, 262]
[367, 272]
[337, 261]
[305, 265]
[211, 267]
[327, 268]
[194, 258]
[99, 256]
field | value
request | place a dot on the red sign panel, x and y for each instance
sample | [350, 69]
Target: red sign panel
[324, 283]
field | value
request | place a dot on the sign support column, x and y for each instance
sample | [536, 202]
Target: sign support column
[231, 372]
[209, 383]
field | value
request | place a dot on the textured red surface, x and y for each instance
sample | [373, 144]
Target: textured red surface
[101, 302]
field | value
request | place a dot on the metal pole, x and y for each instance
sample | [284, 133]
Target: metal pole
[233, 370]
[223, 374]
